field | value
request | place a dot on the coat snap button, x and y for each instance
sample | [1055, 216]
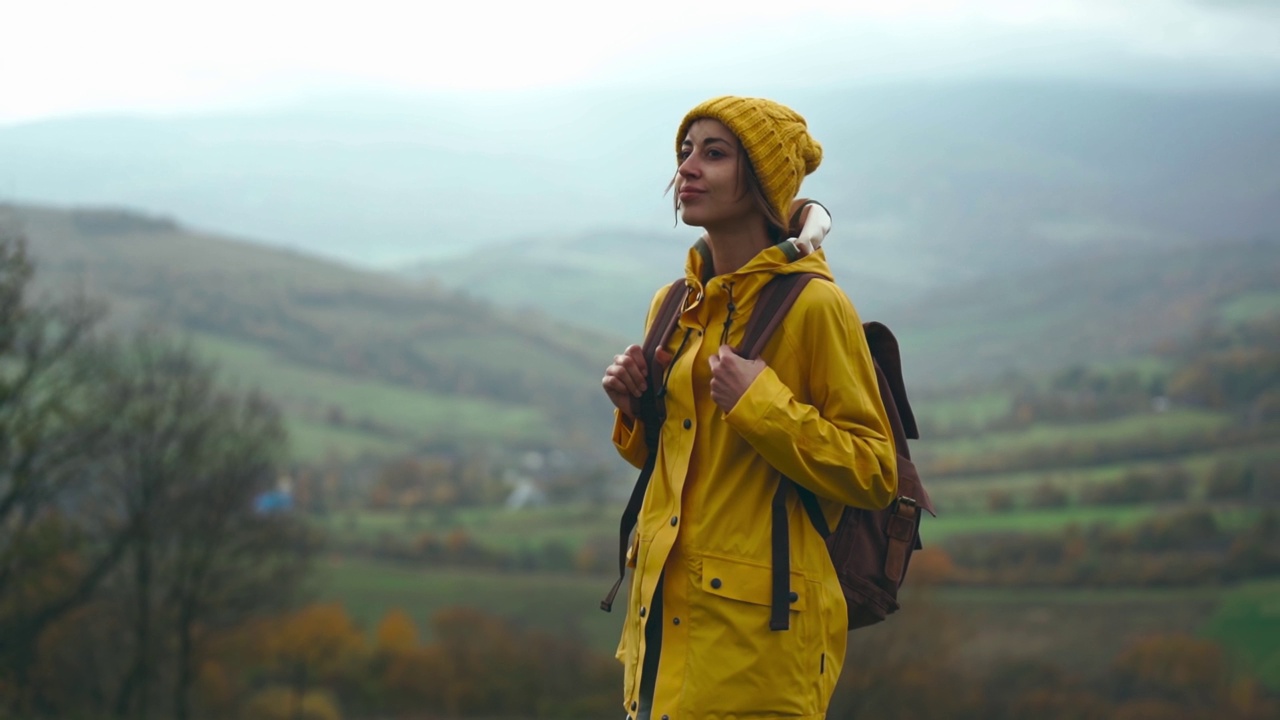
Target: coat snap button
[688, 423]
[674, 520]
[641, 612]
[675, 621]
[633, 706]
[794, 596]
[664, 717]
[715, 583]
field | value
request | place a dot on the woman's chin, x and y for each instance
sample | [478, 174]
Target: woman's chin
[690, 217]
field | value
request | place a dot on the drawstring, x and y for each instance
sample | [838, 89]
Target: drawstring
[728, 321]
[662, 391]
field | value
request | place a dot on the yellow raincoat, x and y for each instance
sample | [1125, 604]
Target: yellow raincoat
[815, 414]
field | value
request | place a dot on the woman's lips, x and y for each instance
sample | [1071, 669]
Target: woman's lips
[687, 193]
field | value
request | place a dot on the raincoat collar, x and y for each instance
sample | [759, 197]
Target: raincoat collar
[781, 259]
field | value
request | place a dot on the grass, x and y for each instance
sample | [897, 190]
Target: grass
[313, 441]
[969, 494]
[407, 414]
[976, 409]
[1035, 521]
[1081, 626]
[1252, 306]
[1173, 423]
[573, 527]
[555, 603]
[1247, 621]
[570, 525]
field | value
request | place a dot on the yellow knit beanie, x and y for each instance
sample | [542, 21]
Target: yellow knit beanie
[775, 137]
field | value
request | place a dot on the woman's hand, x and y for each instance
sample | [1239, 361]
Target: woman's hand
[624, 380]
[815, 223]
[731, 375]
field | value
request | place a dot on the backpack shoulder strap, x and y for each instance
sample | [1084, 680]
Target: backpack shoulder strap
[776, 299]
[649, 407]
[650, 410]
[884, 349]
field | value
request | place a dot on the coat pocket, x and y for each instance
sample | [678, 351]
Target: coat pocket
[743, 582]
[738, 666]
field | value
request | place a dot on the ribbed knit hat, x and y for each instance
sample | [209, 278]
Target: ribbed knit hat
[775, 137]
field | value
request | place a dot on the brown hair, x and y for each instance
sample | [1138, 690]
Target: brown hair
[774, 225]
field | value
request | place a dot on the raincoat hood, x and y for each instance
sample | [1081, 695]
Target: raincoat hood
[781, 259]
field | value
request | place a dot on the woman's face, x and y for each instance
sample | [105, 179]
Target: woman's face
[709, 182]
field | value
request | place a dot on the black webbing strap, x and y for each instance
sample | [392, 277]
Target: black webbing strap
[779, 608]
[651, 411]
[812, 507]
[771, 306]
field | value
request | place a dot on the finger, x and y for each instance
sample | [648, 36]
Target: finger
[627, 382]
[635, 373]
[636, 363]
[615, 389]
[636, 353]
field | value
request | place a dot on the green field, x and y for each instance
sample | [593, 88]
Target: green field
[1252, 306]
[1036, 521]
[1078, 627]
[574, 525]
[528, 528]
[1248, 621]
[403, 415]
[969, 494]
[556, 603]
[1172, 424]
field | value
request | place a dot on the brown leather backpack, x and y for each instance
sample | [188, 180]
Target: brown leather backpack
[870, 549]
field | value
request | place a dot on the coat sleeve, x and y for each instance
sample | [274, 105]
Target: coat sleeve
[628, 435]
[841, 446]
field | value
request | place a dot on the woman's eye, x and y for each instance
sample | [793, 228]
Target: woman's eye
[684, 155]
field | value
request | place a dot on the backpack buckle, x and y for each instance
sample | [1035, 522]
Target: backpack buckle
[904, 500]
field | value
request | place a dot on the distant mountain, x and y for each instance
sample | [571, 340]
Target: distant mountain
[361, 361]
[937, 183]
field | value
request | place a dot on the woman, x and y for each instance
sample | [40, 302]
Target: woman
[696, 641]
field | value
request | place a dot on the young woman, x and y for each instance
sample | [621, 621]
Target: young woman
[696, 642]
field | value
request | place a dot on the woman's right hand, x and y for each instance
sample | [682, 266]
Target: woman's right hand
[624, 380]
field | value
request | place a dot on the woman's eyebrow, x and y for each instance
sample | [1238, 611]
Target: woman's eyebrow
[706, 141]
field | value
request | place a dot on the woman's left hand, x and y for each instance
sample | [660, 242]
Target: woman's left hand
[731, 375]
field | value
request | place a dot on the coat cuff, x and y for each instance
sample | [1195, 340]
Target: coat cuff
[628, 438]
[765, 394]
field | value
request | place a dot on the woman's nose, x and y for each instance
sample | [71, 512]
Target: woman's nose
[688, 168]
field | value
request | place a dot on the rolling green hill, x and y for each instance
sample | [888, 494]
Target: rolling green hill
[1102, 307]
[369, 362]
[361, 362]
[1096, 306]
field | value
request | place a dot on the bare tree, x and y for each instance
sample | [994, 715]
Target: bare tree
[49, 434]
[189, 461]
[128, 480]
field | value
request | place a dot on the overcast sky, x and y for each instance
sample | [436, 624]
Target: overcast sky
[68, 57]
